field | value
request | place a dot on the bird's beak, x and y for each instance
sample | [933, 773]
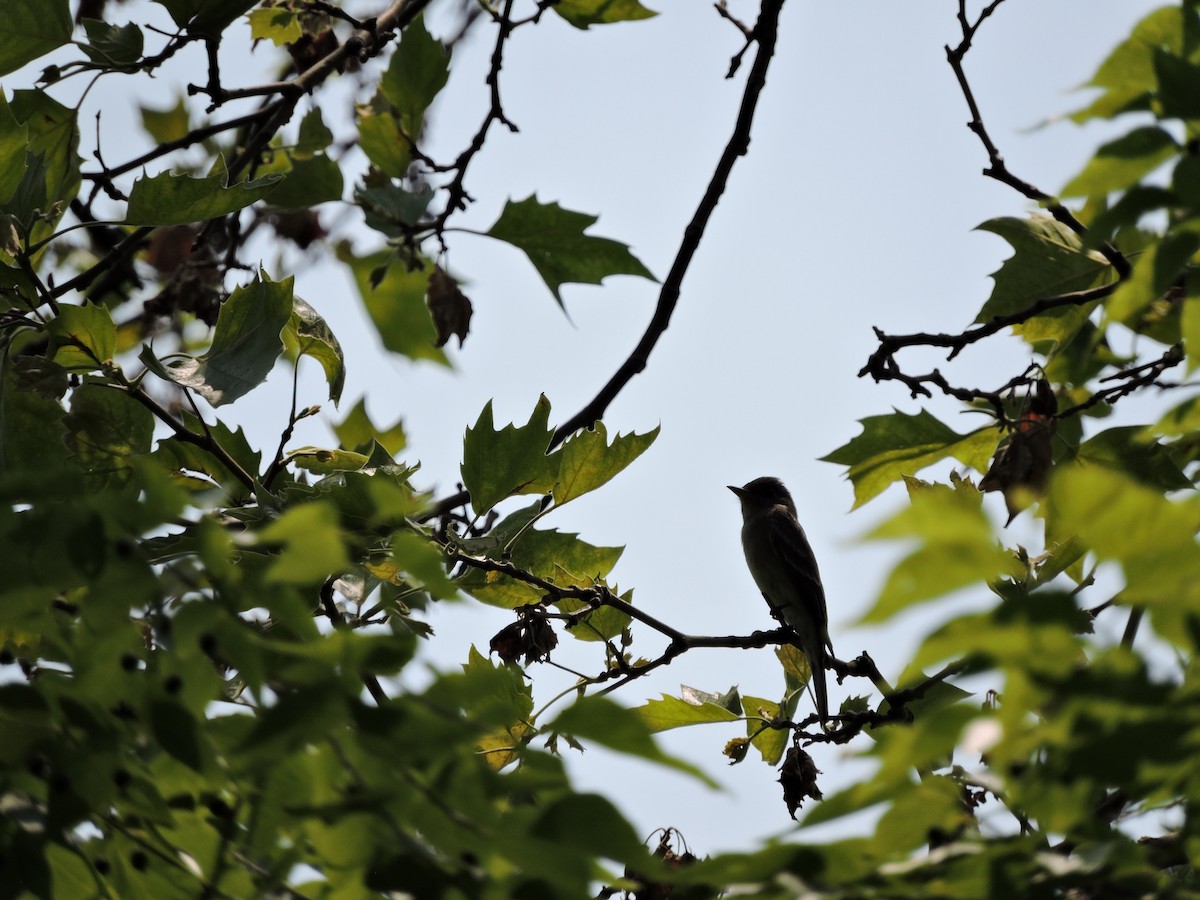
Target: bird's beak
[741, 493]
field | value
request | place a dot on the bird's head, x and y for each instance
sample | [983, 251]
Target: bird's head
[763, 493]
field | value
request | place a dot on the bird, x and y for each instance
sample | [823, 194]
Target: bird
[785, 569]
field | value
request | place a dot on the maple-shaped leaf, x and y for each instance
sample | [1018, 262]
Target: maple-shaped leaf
[553, 238]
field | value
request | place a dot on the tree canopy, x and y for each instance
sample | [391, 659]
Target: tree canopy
[209, 645]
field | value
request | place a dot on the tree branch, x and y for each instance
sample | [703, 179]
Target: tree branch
[997, 168]
[765, 33]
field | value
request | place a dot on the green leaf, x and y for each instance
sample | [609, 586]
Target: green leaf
[1155, 271]
[169, 199]
[31, 432]
[390, 209]
[105, 429]
[84, 336]
[1035, 633]
[326, 462]
[771, 742]
[1121, 163]
[1128, 75]
[166, 125]
[553, 238]
[32, 28]
[673, 712]
[178, 733]
[624, 730]
[314, 137]
[278, 25]
[210, 17]
[1154, 539]
[380, 139]
[498, 464]
[555, 556]
[1048, 260]
[582, 13]
[601, 624]
[14, 136]
[53, 136]
[933, 803]
[957, 549]
[395, 301]
[184, 456]
[313, 548]
[590, 824]
[587, 461]
[423, 564]
[1178, 85]
[358, 431]
[112, 44]
[1190, 326]
[308, 182]
[900, 444]
[1131, 450]
[311, 336]
[246, 344]
[418, 70]
[1129, 209]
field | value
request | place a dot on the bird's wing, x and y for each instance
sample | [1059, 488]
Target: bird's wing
[792, 547]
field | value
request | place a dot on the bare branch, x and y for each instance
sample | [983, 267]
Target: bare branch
[765, 33]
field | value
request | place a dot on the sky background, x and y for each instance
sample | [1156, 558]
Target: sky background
[854, 208]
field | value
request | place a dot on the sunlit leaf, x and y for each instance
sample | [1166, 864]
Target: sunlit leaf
[1153, 538]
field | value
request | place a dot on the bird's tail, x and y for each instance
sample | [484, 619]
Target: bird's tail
[816, 680]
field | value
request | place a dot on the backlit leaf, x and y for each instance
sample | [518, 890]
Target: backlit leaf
[312, 336]
[417, 72]
[246, 344]
[170, 199]
[498, 464]
[902, 444]
[553, 238]
[1048, 260]
[587, 461]
[32, 28]
[582, 13]
[395, 299]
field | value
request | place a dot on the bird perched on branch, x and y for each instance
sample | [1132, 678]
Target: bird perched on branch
[785, 570]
